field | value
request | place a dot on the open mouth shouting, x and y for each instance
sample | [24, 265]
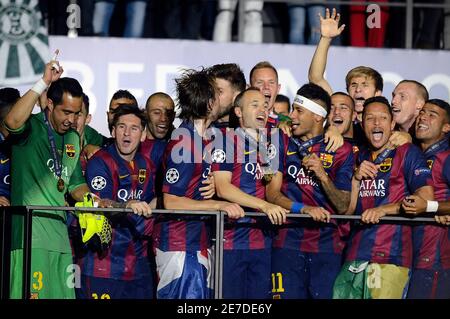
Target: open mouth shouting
[377, 137]
[359, 103]
[261, 120]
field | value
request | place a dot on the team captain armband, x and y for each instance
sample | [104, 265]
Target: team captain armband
[296, 207]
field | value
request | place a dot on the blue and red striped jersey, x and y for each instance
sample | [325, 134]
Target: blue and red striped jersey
[301, 185]
[432, 242]
[110, 176]
[186, 164]
[402, 173]
[154, 150]
[239, 156]
[5, 189]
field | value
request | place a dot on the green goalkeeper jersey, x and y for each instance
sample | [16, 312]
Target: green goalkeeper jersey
[34, 181]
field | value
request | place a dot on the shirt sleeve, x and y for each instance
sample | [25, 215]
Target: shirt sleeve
[99, 178]
[416, 170]
[77, 179]
[179, 169]
[344, 172]
[222, 158]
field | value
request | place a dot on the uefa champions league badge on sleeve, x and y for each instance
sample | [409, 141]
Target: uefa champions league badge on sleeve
[24, 46]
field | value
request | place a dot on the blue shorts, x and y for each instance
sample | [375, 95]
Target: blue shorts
[298, 275]
[103, 288]
[429, 284]
[246, 274]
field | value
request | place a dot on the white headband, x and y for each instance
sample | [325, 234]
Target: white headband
[310, 105]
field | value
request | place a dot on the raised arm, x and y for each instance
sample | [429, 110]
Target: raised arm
[329, 28]
[21, 111]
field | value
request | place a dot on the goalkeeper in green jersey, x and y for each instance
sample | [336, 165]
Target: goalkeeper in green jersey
[44, 167]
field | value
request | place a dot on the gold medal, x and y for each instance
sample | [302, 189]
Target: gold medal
[60, 185]
[268, 174]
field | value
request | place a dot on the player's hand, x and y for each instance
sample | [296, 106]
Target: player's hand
[442, 219]
[329, 26]
[318, 214]
[104, 202]
[52, 71]
[4, 201]
[313, 163]
[367, 170]
[276, 214]
[209, 190]
[397, 139]
[414, 204]
[333, 138]
[233, 210]
[139, 208]
[286, 128]
[372, 215]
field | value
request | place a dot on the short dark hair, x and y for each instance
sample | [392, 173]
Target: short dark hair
[421, 89]
[86, 102]
[195, 90]
[443, 105]
[347, 95]
[377, 99]
[317, 93]
[157, 94]
[64, 85]
[8, 97]
[238, 99]
[126, 109]
[282, 99]
[230, 72]
[123, 94]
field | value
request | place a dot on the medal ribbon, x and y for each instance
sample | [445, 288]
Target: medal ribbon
[51, 139]
[303, 147]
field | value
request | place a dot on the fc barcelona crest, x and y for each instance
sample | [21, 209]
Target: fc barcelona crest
[70, 150]
[355, 149]
[386, 165]
[142, 175]
[327, 160]
[430, 164]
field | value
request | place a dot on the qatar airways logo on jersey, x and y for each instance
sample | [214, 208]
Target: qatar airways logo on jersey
[51, 166]
[255, 170]
[372, 188]
[126, 195]
[301, 176]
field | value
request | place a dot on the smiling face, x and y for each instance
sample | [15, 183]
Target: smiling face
[406, 103]
[431, 124]
[160, 114]
[377, 124]
[253, 111]
[63, 116]
[266, 80]
[305, 122]
[128, 133]
[341, 114]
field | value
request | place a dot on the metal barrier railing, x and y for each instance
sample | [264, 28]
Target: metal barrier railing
[409, 5]
[6, 214]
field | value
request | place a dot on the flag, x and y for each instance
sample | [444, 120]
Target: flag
[23, 42]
